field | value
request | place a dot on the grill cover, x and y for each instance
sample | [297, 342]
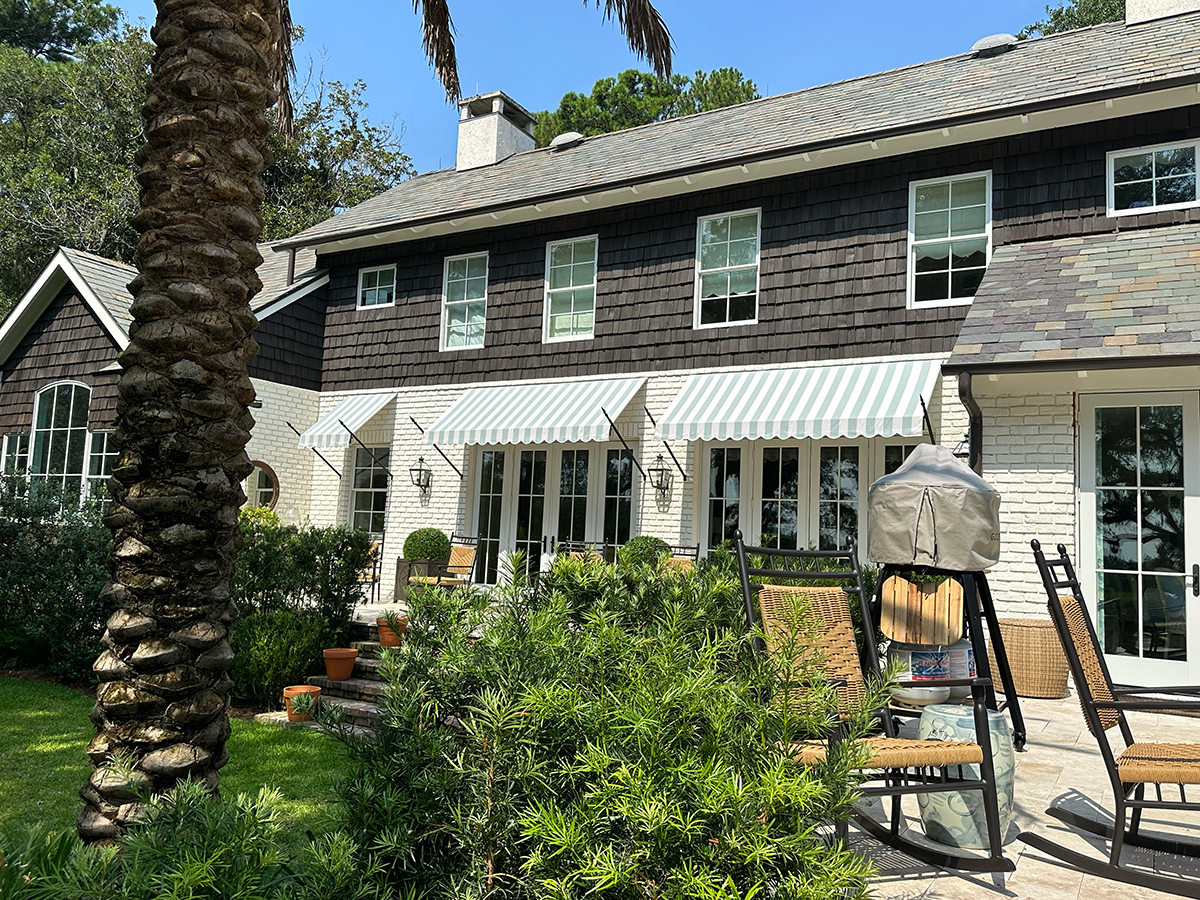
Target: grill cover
[934, 511]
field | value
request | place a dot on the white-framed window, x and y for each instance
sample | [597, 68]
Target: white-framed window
[368, 505]
[570, 303]
[1149, 179]
[377, 287]
[262, 487]
[949, 238]
[727, 254]
[464, 301]
[102, 455]
[838, 486]
[724, 494]
[16, 454]
[60, 436]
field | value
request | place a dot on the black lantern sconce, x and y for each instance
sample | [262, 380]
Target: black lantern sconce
[422, 476]
[660, 477]
[962, 450]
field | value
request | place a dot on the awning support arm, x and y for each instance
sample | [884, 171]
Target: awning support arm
[613, 426]
[438, 449]
[316, 451]
[928, 424]
[374, 458]
[665, 444]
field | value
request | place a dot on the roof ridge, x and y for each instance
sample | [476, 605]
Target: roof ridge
[97, 257]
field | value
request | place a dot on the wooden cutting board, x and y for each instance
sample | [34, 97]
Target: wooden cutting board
[922, 613]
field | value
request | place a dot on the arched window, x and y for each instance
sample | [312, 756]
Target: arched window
[60, 435]
[262, 487]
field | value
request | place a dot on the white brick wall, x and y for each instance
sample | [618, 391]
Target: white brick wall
[272, 442]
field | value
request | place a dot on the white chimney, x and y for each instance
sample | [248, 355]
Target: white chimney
[491, 127]
[1145, 10]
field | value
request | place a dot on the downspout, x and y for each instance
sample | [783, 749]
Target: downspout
[975, 423]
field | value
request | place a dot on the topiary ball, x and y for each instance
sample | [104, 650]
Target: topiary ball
[643, 550]
[427, 543]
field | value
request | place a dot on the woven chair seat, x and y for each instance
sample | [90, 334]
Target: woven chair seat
[901, 753]
[441, 580]
[1160, 764]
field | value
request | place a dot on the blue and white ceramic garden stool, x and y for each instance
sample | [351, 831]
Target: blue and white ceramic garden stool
[957, 818]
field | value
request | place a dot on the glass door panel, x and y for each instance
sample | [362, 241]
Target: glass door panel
[1139, 490]
[837, 497]
[724, 494]
[573, 496]
[491, 507]
[780, 519]
[531, 506]
[618, 499]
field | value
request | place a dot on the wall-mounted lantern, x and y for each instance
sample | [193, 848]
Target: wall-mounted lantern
[962, 450]
[422, 476]
[660, 477]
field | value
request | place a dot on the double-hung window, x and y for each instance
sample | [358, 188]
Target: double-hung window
[1152, 178]
[727, 269]
[377, 287]
[368, 510]
[465, 304]
[570, 289]
[16, 454]
[101, 457]
[949, 238]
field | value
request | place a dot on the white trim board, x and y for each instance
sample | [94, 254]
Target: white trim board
[298, 292]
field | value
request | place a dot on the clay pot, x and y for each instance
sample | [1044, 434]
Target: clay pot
[290, 692]
[339, 663]
[387, 637]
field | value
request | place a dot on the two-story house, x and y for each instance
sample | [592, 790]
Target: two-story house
[771, 298]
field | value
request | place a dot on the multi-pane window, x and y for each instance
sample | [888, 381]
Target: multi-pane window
[894, 456]
[491, 506]
[466, 301]
[262, 488]
[572, 496]
[369, 504]
[531, 507]
[376, 287]
[837, 498]
[724, 494]
[618, 497]
[950, 227]
[16, 454]
[780, 498]
[60, 436]
[101, 458]
[727, 269]
[570, 289]
[1152, 178]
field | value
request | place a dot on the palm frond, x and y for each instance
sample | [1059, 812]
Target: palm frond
[284, 63]
[438, 39]
[644, 30]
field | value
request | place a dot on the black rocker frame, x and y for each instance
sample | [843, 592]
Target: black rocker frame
[1128, 797]
[895, 782]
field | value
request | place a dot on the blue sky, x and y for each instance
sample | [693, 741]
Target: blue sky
[537, 50]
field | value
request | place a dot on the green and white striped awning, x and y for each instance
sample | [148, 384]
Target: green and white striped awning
[852, 400]
[557, 412]
[333, 429]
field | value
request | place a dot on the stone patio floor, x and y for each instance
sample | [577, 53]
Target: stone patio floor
[1061, 765]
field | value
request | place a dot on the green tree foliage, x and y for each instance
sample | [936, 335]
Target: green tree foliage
[639, 98]
[1072, 14]
[55, 29]
[69, 132]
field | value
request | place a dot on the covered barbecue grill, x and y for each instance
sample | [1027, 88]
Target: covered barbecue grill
[935, 515]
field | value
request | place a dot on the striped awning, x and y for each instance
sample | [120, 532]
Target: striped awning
[354, 412]
[854, 400]
[557, 412]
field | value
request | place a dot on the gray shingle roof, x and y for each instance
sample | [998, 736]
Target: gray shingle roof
[109, 280]
[1104, 60]
[1088, 299]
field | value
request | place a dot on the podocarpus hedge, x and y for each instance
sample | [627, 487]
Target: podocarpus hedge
[607, 733]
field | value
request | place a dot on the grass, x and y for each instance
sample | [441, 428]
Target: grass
[45, 728]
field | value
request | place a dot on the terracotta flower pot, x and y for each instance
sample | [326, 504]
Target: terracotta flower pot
[294, 690]
[387, 637]
[339, 663]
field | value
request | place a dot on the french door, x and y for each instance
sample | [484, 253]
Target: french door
[530, 498]
[1139, 532]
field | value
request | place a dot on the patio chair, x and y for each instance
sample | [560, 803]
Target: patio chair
[369, 577]
[1139, 764]
[898, 766]
[458, 569]
[683, 557]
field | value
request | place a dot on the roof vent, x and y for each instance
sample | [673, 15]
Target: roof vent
[993, 45]
[569, 139]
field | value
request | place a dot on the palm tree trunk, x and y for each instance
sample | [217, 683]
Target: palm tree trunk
[182, 418]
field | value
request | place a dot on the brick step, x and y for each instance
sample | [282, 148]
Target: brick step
[359, 713]
[351, 688]
[367, 649]
[359, 726]
[367, 667]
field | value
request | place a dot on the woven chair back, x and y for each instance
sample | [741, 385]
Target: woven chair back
[1080, 636]
[462, 560]
[681, 564]
[828, 609]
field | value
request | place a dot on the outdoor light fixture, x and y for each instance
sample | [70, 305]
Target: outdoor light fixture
[962, 450]
[422, 475]
[660, 478]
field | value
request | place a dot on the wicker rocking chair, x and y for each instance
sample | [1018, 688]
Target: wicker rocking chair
[898, 766]
[1138, 765]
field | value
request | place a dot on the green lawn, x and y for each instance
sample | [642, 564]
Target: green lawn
[45, 727]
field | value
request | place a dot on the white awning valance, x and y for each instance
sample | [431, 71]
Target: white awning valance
[555, 412]
[844, 400]
[354, 411]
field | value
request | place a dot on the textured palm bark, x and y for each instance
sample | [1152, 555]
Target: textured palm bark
[182, 417]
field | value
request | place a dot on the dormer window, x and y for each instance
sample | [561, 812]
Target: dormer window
[1152, 179]
[949, 239]
[377, 287]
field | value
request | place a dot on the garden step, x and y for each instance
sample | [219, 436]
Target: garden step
[358, 726]
[359, 713]
[366, 648]
[367, 667]
[352, 688]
